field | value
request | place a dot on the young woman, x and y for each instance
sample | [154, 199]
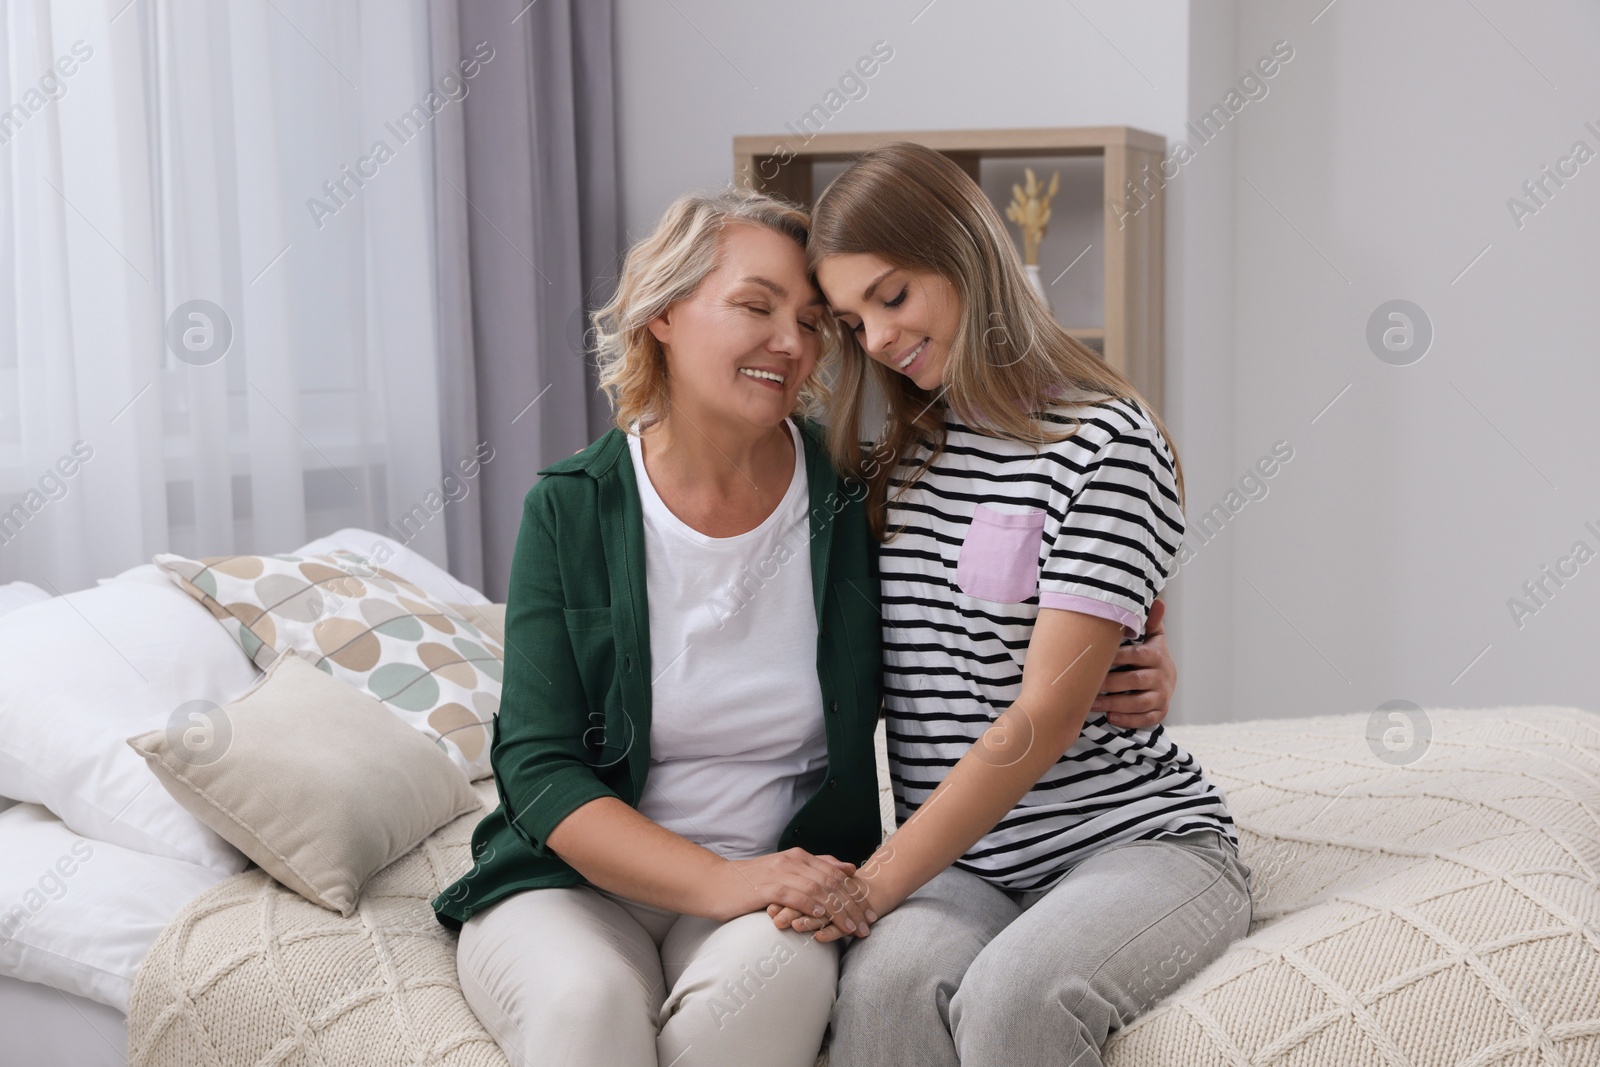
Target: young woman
[1053, 874]
[691, 684]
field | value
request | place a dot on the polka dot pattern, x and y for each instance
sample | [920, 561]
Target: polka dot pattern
[368, 627]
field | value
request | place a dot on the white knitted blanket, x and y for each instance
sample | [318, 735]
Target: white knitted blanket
[1443, 911]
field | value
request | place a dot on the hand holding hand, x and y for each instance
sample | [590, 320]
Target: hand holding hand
[819, 887]
[875, 899]
[789, 918]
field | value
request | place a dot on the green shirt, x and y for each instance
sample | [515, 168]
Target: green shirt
[574, 720]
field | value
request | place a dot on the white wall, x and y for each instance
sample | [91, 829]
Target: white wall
[1199, 363]
[1390, 141]
[693, 73]
[1407, 519]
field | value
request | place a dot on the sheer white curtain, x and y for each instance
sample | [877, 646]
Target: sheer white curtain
[173, 171]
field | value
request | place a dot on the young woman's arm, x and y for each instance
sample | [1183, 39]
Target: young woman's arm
[1135, 695]
[1067, 659]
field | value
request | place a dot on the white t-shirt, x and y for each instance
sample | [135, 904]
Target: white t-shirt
[737, 743]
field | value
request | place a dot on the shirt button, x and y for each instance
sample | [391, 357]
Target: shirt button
[834, 707]
[833, 783]
[627, 663]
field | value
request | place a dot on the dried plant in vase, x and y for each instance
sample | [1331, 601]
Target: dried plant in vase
[1030, 210]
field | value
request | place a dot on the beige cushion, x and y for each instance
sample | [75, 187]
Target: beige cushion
[367, 627]
[311, 778]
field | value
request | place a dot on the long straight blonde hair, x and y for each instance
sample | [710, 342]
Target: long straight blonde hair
[916, 209]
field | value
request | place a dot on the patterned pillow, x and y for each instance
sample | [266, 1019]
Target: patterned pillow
[365, 626]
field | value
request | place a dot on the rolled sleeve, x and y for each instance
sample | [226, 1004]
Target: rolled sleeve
[1118, 541]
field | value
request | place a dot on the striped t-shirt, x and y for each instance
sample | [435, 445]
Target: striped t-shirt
[988, 534]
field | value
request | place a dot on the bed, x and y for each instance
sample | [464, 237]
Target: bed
[1441, 911]
[1439, 907]
[45, 1027]
[78, 913]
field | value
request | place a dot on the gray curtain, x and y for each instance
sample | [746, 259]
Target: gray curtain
[530, 237]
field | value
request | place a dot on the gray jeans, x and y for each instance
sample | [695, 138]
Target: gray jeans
[967, 973]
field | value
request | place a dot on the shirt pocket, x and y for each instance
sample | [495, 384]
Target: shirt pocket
[999, 559]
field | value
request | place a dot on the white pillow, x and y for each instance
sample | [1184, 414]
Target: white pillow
[81, 672]
[14, 595]
[81, 915]
[393, 556]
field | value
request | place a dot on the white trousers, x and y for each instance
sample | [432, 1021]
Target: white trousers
[580, 977]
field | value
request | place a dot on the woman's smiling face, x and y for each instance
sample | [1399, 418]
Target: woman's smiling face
[905, 319]
[743, 343]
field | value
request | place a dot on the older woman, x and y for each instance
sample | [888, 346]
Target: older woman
[691, 684]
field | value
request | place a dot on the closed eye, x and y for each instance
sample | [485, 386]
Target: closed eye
[898, 299]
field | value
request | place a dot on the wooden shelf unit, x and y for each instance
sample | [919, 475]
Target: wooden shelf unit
[1131, 339]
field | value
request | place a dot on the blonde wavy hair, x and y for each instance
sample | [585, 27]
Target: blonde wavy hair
[916, 209]
[668, 266]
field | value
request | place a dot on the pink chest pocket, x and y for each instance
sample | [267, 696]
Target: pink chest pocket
[999, 560]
